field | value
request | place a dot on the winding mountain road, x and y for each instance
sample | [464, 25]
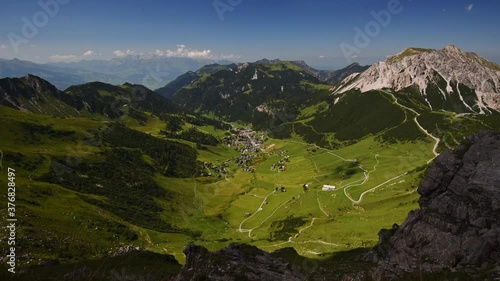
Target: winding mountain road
[264, 200]
[371, 190]
[437, 140]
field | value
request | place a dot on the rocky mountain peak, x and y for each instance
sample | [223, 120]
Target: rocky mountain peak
[442, 70]
[30, 93]
[451, 47]
[39, 84]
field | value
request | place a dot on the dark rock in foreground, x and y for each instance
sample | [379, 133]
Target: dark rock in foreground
[236, 262]
[457, 227]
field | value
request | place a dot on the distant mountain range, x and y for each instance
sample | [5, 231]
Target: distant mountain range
[154, 72]
[61, 77]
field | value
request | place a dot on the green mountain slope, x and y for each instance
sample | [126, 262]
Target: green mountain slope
[187, 78]
[250, 90]
[33, 94]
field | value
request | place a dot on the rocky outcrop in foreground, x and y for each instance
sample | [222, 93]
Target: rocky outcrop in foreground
[236, 262]
[457, 227]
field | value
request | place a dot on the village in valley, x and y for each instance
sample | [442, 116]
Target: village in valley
[247, 142]
[250, 144]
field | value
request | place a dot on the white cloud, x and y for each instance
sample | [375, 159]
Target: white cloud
[354, 57]
[469, 7]
[89, 53]
[322, 57]
[120, 53]
[185, 52]
[181, 52]
[3, 46]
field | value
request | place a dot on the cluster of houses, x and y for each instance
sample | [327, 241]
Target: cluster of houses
[248, 143]
[213, 170]
[244, 162]
[244, 140]
[280, 166]
[281, 152]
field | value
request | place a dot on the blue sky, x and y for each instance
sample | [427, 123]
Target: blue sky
[245, 30]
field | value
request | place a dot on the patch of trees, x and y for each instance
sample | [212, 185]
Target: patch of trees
[28, 163]
[307, 133]
[358, 115]
[138, 115]
[406, 132]
[282, 131]
[202, 120]
[171, 158]
[115, 229]
[174, 122]
[346, 171]
[37, 130]
[154, 103]
[194, 135]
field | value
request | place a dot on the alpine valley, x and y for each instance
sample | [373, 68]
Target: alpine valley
[262, 170]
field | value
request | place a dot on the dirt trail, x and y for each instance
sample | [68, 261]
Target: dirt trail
[437, 140]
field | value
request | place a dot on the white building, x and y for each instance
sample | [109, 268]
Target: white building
[329, 187]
